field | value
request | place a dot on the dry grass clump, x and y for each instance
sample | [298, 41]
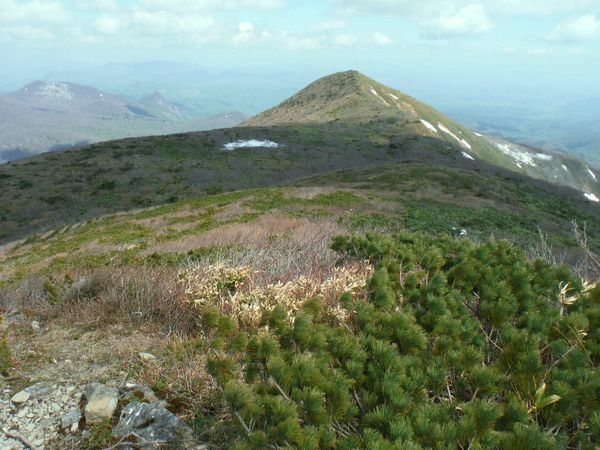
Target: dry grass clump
[143, 297]
[237, 291]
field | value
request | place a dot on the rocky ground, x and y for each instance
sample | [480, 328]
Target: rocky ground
[78, 389]
[33, 416]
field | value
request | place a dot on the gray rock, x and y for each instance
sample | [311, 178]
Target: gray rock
[70, 419]
[147, 357]
[35, 326]
[33, 392]
[152, 422]
[101, 402]
[90, 388]
[20, 397]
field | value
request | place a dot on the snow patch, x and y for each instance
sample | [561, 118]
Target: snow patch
[466, 155]
[592, 174]
[56, 91]
[251, 143]
[522, 156]
[394, 97]
[518, 155]
[376, 94]
[462, 142]
[565, 168]
[478, 134]
[592, 197]
[429, 126]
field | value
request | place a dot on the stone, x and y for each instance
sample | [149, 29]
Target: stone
[152, 422]
[70, 419]
[33, 392]
[102, 402]
[20, 397]
[147, 356]
[35, 326]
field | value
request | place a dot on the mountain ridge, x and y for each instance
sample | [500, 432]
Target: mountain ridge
[351, 96]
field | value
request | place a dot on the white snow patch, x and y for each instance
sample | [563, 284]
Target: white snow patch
[462, 142]
[394, 97]
[478, 134]
[592, 174]
[251, 143]
[517, 154]
[519, 165]
[57, 91]
[376, 94]
[466, 155]
[543, 156]
[565, 168]
[592, 197]
[429, 126]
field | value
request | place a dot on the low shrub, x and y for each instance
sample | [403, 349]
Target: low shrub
[451, 345]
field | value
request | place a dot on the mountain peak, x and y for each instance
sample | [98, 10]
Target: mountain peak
[56, 92]
[48, 89]
[349, 96]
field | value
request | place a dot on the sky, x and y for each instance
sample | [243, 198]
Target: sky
[458, 47]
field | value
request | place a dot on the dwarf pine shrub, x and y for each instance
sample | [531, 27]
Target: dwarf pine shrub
[454, 345]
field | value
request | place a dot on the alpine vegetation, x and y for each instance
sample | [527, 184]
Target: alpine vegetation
[451, 345]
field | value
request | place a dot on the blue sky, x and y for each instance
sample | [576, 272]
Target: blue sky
[458, 46]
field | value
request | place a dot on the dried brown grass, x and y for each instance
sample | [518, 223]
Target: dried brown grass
[239, 293]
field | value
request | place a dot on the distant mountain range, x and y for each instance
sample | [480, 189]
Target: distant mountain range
[551, 122]
[46, 116]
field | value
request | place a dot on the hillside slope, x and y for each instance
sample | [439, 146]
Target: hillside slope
[50, 190]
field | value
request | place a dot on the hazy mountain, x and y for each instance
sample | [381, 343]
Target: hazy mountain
[203, 90]
[45, 116]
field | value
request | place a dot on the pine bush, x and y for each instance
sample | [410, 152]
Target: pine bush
[455, 345]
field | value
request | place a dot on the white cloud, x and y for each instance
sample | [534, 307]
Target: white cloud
[109, 25]
[245, 27]
[471, 20]
[24, 33]
[381, 39]
[209, 5]
[245, 33]
[539, 51]
[344, 40]
[32, 12]
[97, 5]
[584, 28]
[299, 42]
[328, 25]
[428, 8]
